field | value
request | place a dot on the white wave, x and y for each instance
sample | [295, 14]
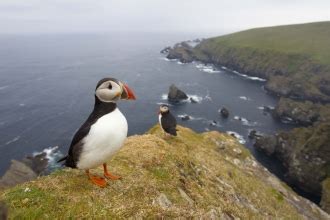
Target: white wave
[214, 123]
[196, 98]
[223, 67]
[207, 68]
[13, 140]
[164, 96]
[169, 60]
[244, 98]
[245, 121]
[239, 137]
[180, 63]
[264, 107]
[21, 104]
[256, 78]
[287, 120]
[52, 154]
[249, 77]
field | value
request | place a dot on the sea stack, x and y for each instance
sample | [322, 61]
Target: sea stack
[176, 95]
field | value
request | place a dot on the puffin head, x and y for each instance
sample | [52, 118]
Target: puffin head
[163, 109]
[112, 90]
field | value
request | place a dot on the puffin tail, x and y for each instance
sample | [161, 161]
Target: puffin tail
[173, 132]
[62, 159]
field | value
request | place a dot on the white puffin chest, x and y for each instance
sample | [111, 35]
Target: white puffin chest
[106, 136]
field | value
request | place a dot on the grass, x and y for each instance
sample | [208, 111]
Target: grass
[212, 169]
[311, 40]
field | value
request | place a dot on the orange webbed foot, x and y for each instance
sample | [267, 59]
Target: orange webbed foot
[99, 181]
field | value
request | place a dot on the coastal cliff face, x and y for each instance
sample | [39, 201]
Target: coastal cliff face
[295, 61]
[305, 152]
[208, 175]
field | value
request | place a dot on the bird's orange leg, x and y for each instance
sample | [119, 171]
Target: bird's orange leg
[108, 175]
[99, 181]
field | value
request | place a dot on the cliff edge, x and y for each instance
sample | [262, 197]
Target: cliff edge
[208, 175]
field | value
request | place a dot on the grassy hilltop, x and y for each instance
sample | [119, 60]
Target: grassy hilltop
[208, 175]
[309, 40]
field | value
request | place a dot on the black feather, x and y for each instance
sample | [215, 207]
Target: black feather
[168, 123]
[76, 146]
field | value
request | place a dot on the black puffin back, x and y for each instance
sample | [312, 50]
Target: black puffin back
[168, 123]
[76, 146]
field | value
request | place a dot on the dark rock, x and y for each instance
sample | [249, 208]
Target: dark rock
[266, 144]
[302, 113]
[213, 123]
[254, 134]
[185, 118]
[233, 135]
[3, 211]
[304, 152]
[224, 112]
[18, 172]
[37, 163]
[268, 109]
[182, 52]
[165, 50]
[192, 100]
[22, 171]
[176, 95]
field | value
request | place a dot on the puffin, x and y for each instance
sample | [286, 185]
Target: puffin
[167, 121]
[103, 133]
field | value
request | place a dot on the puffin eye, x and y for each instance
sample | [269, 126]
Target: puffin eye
[110, 86]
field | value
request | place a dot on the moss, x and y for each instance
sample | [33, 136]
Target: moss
[277, 195]
[189, 170]
[160, 173]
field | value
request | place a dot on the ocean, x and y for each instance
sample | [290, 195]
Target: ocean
[47, 87]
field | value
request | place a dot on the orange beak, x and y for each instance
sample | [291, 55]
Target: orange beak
[129, 92]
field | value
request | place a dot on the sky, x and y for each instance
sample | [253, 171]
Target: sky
[69, 16]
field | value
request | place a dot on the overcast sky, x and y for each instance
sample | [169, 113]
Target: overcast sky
[48, 16]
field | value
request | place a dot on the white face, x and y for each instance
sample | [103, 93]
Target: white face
[109, 91]
[164, 108]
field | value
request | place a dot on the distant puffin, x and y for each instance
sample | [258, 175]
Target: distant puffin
[167, 121]
[103, 133]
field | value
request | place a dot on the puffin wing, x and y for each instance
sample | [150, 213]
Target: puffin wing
[76, 144]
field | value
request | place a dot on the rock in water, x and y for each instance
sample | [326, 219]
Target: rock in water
[165, 50]
[192, 100]
[3, 211]
[17, 173]
[176, 95]
[185, 118]
[254, 134]
[224, 112]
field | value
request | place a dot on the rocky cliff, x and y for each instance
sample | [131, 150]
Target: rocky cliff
[208, 175]
[295, 60]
